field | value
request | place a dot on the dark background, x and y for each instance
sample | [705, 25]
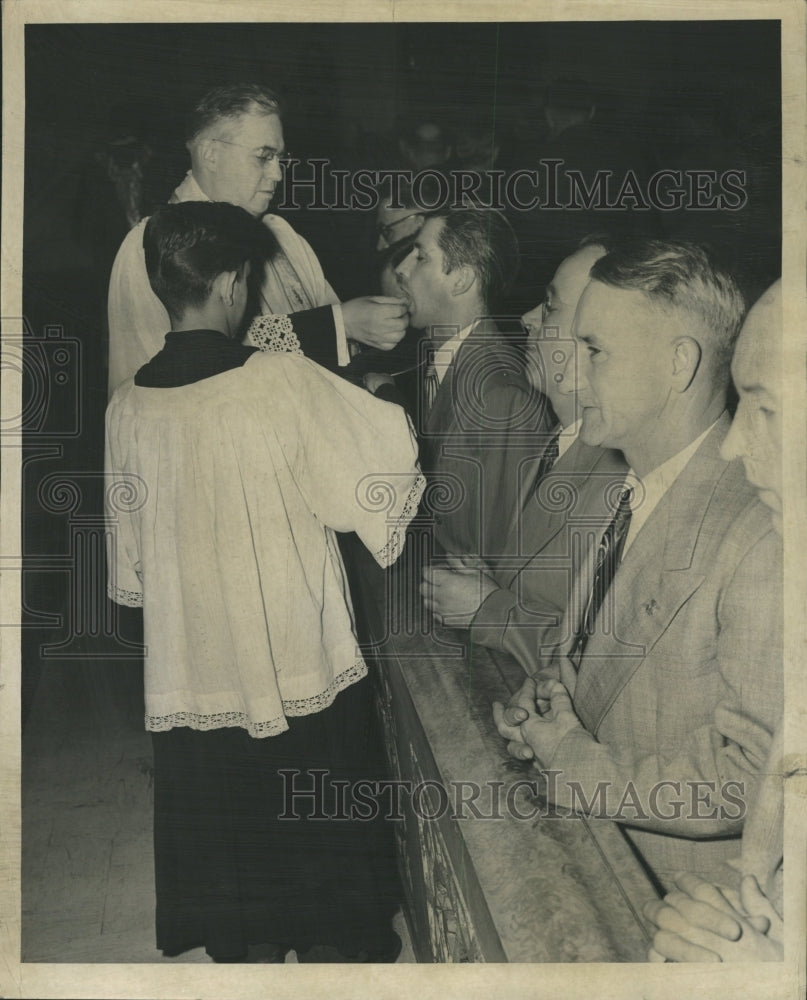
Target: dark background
[344, 85]
[694, 94]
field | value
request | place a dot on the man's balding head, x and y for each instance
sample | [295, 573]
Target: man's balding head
[756, 432]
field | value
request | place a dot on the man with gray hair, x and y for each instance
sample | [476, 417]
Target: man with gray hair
[679, 611]
[235, 139]
[697, 922]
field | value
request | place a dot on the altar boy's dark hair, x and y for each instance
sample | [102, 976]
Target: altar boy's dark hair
[188, 245]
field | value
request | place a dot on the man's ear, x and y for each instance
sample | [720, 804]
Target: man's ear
[207, 153]
[687, 355]
[462, 279]
[225, 284]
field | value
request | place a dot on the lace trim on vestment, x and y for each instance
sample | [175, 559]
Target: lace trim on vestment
[274, 334]
[387, 556]
[269, 727]
[130, 598]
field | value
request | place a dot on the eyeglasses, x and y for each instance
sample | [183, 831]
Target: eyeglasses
[387, 230]
[264, 158]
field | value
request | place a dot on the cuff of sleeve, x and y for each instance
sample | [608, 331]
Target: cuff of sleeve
[129, 598]
[491, 618]
[576, 746]
[397, 538]
[342, 351]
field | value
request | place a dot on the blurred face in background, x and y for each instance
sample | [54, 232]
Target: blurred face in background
[427, 146]
[395, 224]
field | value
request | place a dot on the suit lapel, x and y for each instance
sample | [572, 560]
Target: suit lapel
[653, 582]
[570, 494]
[441, 420]
[527, 474]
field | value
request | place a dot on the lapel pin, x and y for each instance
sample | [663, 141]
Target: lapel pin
[651, 607]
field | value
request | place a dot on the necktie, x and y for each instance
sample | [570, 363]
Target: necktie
[548, 459]
[609, 555]
[431, 385]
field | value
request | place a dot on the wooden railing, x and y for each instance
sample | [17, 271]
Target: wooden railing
[503, 876]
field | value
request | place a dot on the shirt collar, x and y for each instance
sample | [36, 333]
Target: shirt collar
[568, 436]
[663, 476]
[189, 356]
[445, 353]
[647, 493]
[189, 190]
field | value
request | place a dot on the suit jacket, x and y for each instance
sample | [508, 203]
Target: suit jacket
[571, 506]
[763, 835]
[484, 421]
[696, 606]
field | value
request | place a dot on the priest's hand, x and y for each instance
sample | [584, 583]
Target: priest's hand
[376, 321]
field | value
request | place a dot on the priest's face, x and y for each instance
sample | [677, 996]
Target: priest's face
[242, 165]
[756, 431]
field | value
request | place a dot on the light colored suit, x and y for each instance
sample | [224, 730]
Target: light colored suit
[763, 833]
[697, 611]
[570, 506]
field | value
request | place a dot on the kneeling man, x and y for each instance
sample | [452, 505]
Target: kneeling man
[679, 608]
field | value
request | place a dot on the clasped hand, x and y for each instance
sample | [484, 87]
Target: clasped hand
[376, 321]
[699, 922]
[454, 595]
[536, 719]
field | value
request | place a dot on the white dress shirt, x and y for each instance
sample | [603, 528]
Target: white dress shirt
[647, 492]
[568, 436]
[446, 352]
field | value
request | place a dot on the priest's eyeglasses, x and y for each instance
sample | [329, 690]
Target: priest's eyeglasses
[265, 155]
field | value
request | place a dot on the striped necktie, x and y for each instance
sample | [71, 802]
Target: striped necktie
[431, 385]
[548, 459]
[609, 555]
